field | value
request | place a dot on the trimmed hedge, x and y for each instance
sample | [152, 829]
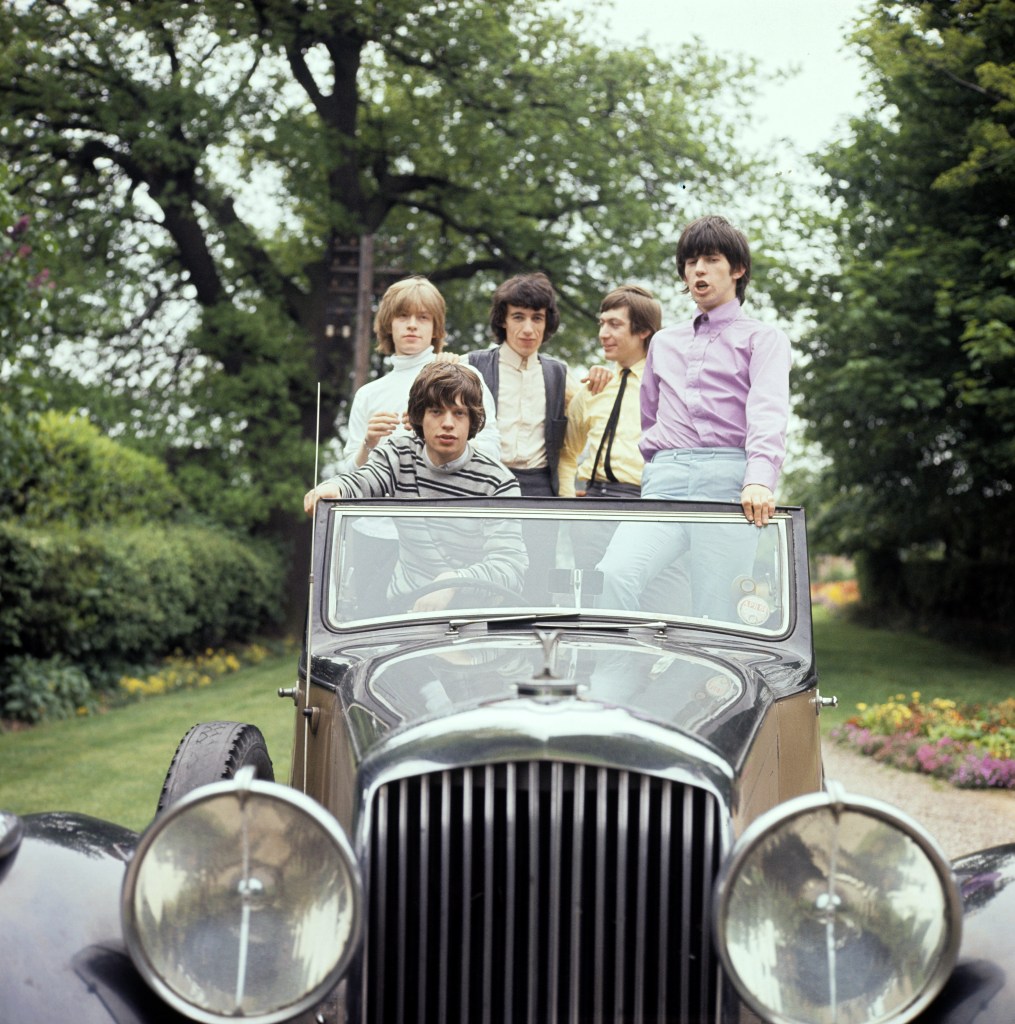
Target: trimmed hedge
[130, 594]
[79, 477]
[965, 602]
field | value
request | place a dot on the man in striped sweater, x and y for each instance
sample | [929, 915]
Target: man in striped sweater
[445, 409]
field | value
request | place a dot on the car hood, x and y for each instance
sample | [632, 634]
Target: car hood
[716, 694]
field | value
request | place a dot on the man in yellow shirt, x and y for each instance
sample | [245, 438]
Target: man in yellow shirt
[603, 429]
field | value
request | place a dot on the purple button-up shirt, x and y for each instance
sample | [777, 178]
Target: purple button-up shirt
[719, 381]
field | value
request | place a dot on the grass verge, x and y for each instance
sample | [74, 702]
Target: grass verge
[112, 765]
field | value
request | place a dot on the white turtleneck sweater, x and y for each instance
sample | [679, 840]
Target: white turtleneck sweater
[390, 393]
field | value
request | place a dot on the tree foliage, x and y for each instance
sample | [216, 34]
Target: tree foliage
[909, 382]
[24, 276]
[80, 478]
[25, 284]
[207, 165]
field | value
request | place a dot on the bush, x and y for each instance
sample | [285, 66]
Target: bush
[104, 598]
[80, 478]
[19, 442]
[32, 689]
[965, 602]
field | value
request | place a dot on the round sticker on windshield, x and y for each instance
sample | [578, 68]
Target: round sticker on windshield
[718, 686]
[753, 610]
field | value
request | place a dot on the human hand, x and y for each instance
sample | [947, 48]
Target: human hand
[311, 498]
[438, 600]
[379, 426]
[597, 378]
[758, 503]
[447, 357]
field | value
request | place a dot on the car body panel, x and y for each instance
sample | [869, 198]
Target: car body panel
[60, 939]
[721, 702]
[980, 989]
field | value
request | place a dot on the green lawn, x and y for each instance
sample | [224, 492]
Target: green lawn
[859, 664]
[112, 765]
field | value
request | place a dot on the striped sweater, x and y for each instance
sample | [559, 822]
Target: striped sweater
[397, 468]
[485, 549]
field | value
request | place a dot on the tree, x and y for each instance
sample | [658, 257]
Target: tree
[24, 279]
[211, 168]
[24, 287]
[910, 368]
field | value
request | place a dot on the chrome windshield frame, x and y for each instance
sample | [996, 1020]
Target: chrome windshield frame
[562, 512]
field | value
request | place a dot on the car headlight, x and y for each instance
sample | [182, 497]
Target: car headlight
[242, 900]
[834, 908]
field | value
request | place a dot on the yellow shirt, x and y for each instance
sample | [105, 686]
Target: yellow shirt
[587, 416]
[521, 410]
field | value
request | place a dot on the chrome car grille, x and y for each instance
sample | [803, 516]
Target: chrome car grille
[540, 892]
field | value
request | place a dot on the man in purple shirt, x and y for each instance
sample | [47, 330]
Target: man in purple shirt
[714, 409]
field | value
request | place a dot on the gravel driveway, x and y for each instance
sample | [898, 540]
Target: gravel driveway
[961, 820]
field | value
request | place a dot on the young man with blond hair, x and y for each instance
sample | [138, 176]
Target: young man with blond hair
[410, 331]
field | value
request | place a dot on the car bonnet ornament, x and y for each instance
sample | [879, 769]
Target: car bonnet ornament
[547, 683]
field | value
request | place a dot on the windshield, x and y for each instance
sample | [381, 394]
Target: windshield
[681, 688]
[711, 569]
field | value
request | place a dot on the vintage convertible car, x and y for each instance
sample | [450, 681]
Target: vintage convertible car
[519, 792]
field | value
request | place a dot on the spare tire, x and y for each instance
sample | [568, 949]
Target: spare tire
[212, 751]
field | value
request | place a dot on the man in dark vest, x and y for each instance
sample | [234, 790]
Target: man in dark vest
[528, 386]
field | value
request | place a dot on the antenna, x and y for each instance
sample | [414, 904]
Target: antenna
[310, 596]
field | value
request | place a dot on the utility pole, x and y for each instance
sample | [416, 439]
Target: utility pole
[355, 284]
[364, 310]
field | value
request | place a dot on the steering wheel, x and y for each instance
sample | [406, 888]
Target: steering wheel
[456, 582]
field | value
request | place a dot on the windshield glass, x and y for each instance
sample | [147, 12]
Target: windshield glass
[713, 569]
[681, 688]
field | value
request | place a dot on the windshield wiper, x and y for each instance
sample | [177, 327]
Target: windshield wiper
[576, 615]
[514, 617]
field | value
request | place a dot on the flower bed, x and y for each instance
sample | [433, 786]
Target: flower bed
[179, 673]
[835, 594]
[972, 747]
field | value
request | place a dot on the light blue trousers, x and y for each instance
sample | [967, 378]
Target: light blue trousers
[715, 555]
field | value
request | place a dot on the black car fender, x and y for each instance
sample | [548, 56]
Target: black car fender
[60, 935]
[980, 989]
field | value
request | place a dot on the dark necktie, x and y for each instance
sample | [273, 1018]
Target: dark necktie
[610, 432]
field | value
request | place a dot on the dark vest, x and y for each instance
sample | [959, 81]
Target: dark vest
[487, 362]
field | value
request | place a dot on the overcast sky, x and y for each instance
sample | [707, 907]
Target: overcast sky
[810, 34]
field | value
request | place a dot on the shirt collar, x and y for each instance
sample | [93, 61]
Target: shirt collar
[453, 465]
[721, 316]
[513, 359]
[637, 369]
